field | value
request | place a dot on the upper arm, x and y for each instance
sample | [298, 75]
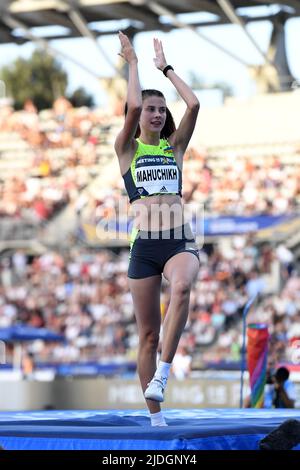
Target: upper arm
[181, 137]
[125, 140]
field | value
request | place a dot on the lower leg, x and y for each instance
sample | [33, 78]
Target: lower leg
[173, 326]
[180, 271]
[146, 299]
[146, 369]
[174, 323]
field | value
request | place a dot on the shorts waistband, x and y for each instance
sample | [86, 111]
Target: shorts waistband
[174, 233]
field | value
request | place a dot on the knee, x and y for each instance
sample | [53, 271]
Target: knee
[149, 340]
[181, 288]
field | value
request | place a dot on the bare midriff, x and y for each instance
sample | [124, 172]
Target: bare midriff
[158, 212]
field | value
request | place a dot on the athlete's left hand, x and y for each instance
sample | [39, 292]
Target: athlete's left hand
[159, 59]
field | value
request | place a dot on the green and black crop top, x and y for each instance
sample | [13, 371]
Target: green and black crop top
[153, 171]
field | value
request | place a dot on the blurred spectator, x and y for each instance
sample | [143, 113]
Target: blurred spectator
[27, 365]
[280, 392]
[53, 153]
[181, 365]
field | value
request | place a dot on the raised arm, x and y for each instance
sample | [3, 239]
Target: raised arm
[183, 134]
[125, 142]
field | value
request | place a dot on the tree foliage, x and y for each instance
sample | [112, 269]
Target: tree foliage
[80, 97]
[40, 78]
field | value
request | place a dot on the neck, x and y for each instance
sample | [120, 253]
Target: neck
[150, 138]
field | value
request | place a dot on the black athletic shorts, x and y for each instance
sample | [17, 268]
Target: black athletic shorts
[149, 251]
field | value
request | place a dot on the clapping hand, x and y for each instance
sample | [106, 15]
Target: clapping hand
[159, 59]
[127, 50]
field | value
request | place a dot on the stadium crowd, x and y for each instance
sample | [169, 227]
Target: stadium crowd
[58, 153]
[60, 150]
[237, 187]
[84, 295]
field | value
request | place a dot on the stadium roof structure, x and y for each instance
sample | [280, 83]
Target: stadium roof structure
[140, 14]
[21, 20]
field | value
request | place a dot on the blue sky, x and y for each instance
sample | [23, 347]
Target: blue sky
[184, 50]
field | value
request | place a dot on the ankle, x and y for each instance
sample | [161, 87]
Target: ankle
[163, 369]
[157, 419]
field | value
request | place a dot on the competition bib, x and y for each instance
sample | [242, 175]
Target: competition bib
[156, 174]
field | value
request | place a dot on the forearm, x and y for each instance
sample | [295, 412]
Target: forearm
[185, 92]
[134, 93]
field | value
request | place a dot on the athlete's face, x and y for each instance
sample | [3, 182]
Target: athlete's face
[153, 116]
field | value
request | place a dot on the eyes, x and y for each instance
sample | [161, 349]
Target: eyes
[152, 109]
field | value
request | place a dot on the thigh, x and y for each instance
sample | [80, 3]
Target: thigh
[146, 301]
[183, 266]
[144, 259]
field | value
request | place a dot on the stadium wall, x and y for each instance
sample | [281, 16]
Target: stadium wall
[107, 394]
[99, 393]
[261, 119]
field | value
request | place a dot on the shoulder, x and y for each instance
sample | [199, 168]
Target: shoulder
[165, 144]
[170, 140]
[174, 149]
[122, 145]
[289, 387]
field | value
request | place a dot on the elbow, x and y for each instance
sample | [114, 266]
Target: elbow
[135, 107]
[134, 110]
[195, 105]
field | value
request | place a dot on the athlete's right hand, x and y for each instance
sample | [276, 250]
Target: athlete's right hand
[127, 51]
